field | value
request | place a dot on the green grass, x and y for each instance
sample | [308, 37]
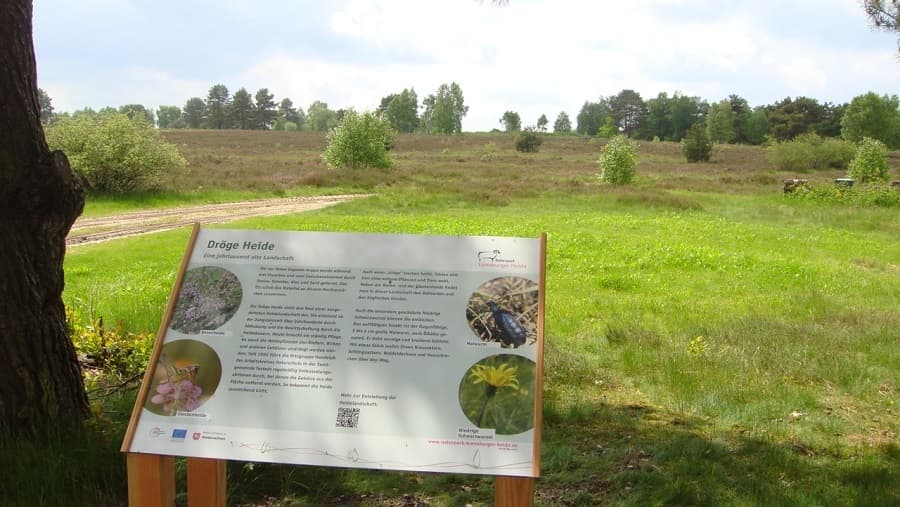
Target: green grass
[709, 341]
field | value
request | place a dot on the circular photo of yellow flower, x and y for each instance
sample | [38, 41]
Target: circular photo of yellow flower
[209, 297]
[498, 392]
[186, 376]
[505, 310]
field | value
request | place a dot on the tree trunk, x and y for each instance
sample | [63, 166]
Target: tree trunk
[41, 386]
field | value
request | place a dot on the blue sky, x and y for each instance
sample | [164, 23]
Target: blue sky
[533, 56]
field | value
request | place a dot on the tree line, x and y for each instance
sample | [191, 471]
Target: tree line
[442, 111]
[730, 120]
[664, 117]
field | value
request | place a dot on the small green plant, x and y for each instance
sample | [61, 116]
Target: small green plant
[618, 160]
[865, 194]
[109, 350]
[359, 141]
[870, 163]
[114, 154]
[697, 346]
[529, 140]
[489, 152]
[696, 145]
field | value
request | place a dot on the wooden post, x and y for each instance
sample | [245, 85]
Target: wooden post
[151, 480]
[513, 491]
[206, 482]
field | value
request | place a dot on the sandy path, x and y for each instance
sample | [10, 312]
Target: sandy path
[97, 229]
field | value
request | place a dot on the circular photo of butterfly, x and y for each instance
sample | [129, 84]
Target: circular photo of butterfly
[505, 310]
[498, 392]
[186, 376]
[209, 297]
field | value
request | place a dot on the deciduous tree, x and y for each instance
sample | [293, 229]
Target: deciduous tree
[562, 124]
[194, 113]
[402, 112]
[444, 110]
[542, 123]
[591, 117]
[720, 122]
[511, 121]
[757, 126]
[133, 111]
[169, 117]
[874, 116]
[41, 384]
[320, 118]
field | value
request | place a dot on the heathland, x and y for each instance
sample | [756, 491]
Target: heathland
[710, 340]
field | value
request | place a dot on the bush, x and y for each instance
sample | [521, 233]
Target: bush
[696, 145]
[529, 140]
[359, 141]
[618, 160]
[835, 153]
[870, 163]
[111, 153]
[810, 151]
[791, 156]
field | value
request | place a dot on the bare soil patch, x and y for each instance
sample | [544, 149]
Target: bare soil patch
[97, 229]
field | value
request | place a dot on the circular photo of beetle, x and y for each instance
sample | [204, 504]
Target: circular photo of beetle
[504, 310]
[209, 296]
[186, 376]
[498, 392]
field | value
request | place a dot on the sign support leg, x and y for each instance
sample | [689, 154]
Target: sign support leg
[151, 480]
[206, 482]
[513, 491]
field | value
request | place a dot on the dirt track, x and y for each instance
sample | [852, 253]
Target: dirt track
[95, 230]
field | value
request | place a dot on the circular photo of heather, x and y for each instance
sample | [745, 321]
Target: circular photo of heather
[186, 376]
[504, 310]
[498, 392]
[209, 296]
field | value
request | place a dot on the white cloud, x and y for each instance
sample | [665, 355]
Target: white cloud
[534, 57]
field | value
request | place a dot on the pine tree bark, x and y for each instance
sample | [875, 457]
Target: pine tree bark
[41, 385]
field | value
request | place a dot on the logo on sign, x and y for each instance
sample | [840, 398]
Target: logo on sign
[178, 435]
[156, 432]
[196, 436]
[494, 259]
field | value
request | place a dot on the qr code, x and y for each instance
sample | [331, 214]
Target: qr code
[347, 418]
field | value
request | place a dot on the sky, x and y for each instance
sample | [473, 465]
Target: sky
[531, 56]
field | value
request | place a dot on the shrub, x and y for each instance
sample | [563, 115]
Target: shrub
[791, 156]
[870, 163]
[359, 141]
[835, 153]
[529, 140]
[618, 160]
[810, 151]
[696, 145]
[111, 153]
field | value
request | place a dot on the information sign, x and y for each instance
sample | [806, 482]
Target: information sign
[403, 352]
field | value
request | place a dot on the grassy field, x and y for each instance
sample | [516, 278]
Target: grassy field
[709, 341]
